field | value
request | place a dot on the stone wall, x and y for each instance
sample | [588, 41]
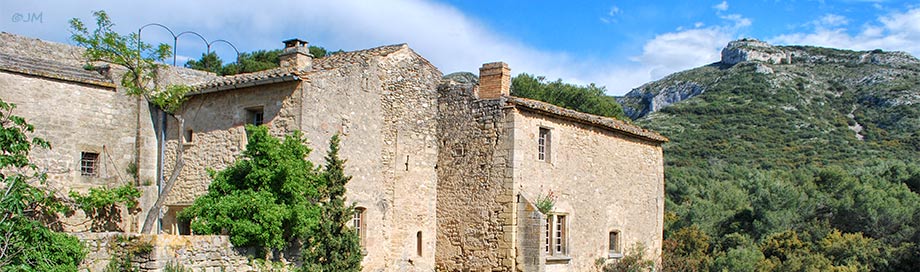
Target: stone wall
[475, 195]
[209, 253]
[603, 181]
[75, 118]
[384, 107]
[529, 236]
[217, 121]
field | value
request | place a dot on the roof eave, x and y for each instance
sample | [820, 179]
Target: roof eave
[245, 84]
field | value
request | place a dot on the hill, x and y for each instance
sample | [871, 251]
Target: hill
[790, 158]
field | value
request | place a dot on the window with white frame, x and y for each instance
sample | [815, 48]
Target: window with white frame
[544, 144]
[555, 243]
[358, 223]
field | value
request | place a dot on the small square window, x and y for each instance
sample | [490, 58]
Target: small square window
[89, 164]
[188, 136]
[256, 116]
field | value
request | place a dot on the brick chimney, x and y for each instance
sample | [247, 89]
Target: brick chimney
[296, 54]
[494, 80]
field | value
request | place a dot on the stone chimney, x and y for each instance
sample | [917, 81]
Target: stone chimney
[494, 80]
[296, 54]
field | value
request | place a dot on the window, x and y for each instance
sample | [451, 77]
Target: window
[614, 244]
[418, 243]
[256, 115]
[89, 164]
[548, 232]
[188, 136]
[544, 144]
[559, 237]
[555, 231]
[358, 223]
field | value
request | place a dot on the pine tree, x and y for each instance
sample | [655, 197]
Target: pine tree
[333, 245]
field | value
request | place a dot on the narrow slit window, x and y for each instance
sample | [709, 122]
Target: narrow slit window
[614, 242]
[418, 243]
[89, 164]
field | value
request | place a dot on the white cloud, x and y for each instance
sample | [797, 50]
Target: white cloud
[831, 21]
[611, 15]
[721, 6]
[740, 21]
[894, 31]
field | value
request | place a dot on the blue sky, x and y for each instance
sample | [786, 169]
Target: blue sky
[617, 44]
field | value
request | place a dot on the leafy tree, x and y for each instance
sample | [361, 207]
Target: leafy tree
[590, 99]
[686, 249]
[248, 62]
[332, 245]
[208, 62]
[267, 198]
[26, 244]
[138, 59]
[634, 261]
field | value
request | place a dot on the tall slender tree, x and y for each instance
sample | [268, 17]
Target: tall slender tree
[332, 245]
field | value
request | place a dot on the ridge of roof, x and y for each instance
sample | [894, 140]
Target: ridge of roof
[53, 69]
[600, 121]
[283, 74]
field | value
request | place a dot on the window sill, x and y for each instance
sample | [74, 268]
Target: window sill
[557, 259]
[613, 255]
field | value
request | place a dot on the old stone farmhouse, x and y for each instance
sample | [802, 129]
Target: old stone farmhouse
[445, 173]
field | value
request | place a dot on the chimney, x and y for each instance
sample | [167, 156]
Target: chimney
[494, 80]
[296, 54]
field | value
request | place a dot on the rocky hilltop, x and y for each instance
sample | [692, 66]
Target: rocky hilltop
[783, 63]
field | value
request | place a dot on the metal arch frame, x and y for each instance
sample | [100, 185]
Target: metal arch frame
[175, 36]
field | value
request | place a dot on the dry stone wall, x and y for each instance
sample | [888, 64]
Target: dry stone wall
[475, 209]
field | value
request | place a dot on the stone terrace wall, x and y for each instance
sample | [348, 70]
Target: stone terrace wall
[475, 209]
[209, 253]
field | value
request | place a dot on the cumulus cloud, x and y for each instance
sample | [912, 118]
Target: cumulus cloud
[721, 6]
[894, 31]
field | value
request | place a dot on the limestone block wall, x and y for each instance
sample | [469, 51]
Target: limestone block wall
[529, 236]
[74, 118]
[385, 109]
[604, 181]
[217, 121]
[475, 195]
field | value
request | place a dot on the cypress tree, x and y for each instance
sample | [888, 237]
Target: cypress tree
[333, 245]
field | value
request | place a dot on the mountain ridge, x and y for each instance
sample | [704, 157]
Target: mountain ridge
[653, 96]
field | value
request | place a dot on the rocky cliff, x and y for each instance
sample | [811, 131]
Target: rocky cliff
[783, 64]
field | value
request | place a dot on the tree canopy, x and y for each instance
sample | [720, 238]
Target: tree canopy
[247, 62]
[589, 99]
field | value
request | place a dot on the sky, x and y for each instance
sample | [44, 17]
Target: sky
[617, 44]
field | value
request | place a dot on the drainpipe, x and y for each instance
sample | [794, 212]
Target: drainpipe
[161, 155]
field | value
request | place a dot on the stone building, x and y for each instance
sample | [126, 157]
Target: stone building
[445, 173]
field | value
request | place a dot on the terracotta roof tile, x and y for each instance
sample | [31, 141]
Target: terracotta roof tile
[605, 122]
[228, 82]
